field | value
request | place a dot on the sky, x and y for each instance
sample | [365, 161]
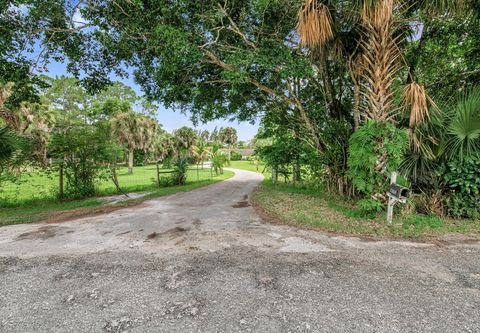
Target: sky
[169, 118]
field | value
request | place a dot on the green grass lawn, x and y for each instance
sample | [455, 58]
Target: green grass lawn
[34, 208]
[248, 165]
[310, 208]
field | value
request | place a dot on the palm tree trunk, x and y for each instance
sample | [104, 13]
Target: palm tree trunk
[130, 161]
[356, 106]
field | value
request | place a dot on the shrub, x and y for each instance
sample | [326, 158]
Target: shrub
[462, 181]
[369, 207]
[235, 156]
[180, 169]
[463, 205]
[219, 160]
[83, 151]
[165, 181]
[375, 150]
[140, 157]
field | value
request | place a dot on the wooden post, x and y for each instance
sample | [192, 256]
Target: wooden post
[158, 175]
[391, 201]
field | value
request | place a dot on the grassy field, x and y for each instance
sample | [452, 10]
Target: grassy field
[48, 207]
[310, 208]
[40, 185]
[248, 165]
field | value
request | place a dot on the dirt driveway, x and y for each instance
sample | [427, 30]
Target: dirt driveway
[204, 261]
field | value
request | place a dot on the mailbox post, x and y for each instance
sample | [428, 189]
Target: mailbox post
[395, 194]
[391, 203]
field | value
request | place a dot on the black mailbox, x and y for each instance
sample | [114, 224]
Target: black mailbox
[399, 192]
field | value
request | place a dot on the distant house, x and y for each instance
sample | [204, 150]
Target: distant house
[246, 152]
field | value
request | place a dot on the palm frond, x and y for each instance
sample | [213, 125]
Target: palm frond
[418, 102]
[314, 24]
[464, 126]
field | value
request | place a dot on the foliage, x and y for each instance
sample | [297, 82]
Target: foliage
[463, 132]
[463, 205]
[81, 151]
[184, 138]
[315, 70]
[462, 181]
[369, 207]
[200, 153]
[228, 136]
[180, 168]
[235, 156]
[454, 44]
[219, 160]
[464, 176]
[376, 149]
[134, 131]
[14, 152]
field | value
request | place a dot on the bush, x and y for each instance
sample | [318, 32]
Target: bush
[369, 207]
[463, 205]
[180, 169]
[83, 151]
[165, 181]
[375, 150]
[235, 156]
[140, 157]
[219, 160]
[462, 181]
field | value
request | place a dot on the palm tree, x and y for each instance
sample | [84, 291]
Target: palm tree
[228, 136]
[201, 153]
[164, 145]
[219, 160]
[14, 150]
[185, 138]
[32, 120]
[133, 131]
[375, 56]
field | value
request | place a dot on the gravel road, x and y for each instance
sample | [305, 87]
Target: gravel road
[204, 261]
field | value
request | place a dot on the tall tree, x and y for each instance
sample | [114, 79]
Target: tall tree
[133, 131]
[185, 139]
[228, 136]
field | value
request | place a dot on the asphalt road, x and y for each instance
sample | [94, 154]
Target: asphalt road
[204, 261]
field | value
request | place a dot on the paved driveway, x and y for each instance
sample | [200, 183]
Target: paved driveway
[204, 261]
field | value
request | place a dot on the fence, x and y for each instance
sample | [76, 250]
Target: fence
[46, 184]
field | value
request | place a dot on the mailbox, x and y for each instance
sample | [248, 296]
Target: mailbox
[399, 192]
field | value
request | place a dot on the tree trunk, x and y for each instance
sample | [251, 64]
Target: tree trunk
[297, 173]
[356, 107]
[130, 161]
